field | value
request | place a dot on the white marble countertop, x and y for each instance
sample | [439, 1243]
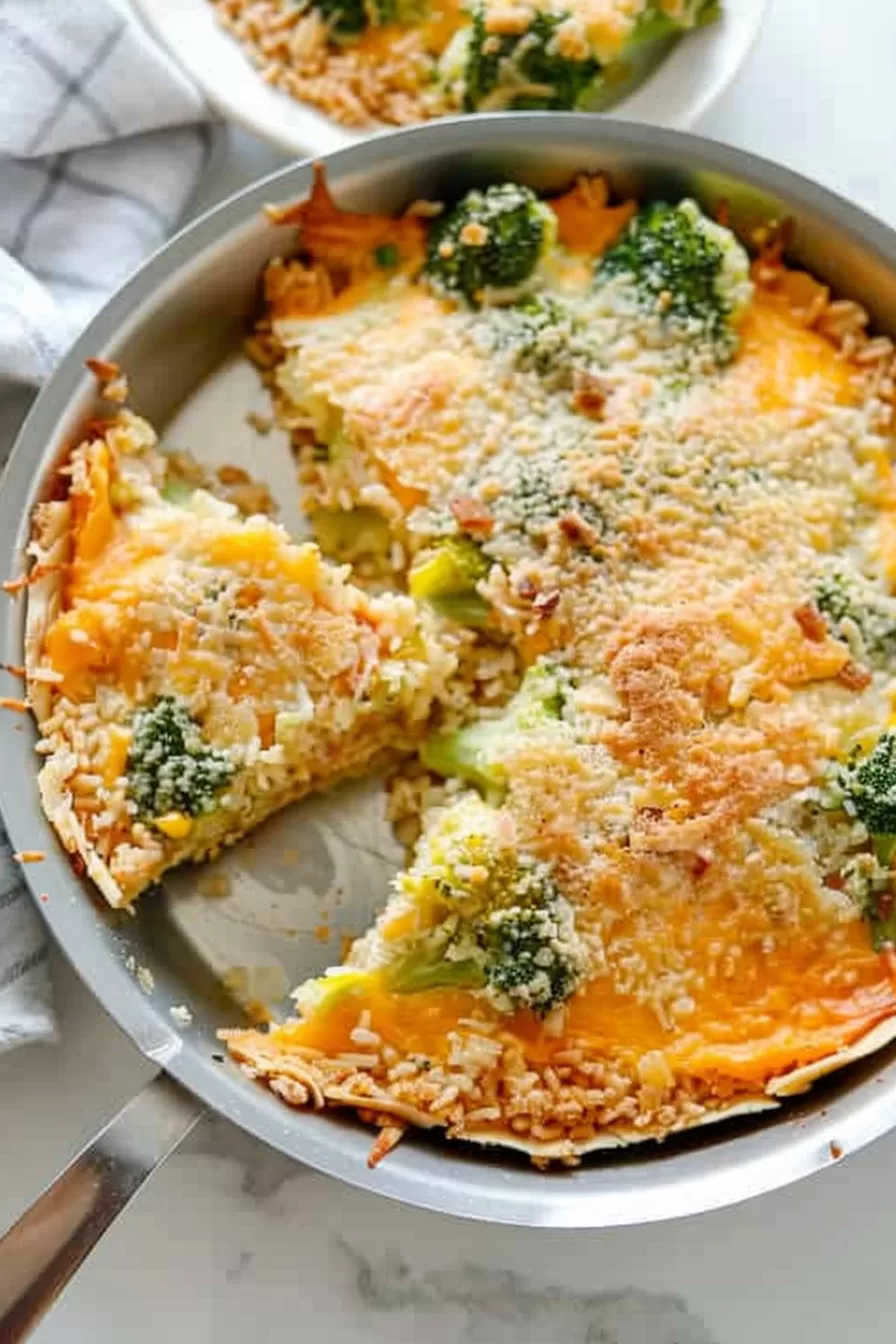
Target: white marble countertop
[230, 1241]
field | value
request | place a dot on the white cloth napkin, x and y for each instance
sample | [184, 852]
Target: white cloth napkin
[102, 140]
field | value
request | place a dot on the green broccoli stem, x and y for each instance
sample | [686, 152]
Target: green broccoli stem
[465, 608]
[418, 974]
[468, 755]
[476, 752]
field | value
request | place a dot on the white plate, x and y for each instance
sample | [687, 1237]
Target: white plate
[693, 75]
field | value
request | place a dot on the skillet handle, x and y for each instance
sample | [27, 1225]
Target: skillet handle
[42, 1251]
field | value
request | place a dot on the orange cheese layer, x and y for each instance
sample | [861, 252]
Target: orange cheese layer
[119, 564]
[779, 1012]
[778, 355]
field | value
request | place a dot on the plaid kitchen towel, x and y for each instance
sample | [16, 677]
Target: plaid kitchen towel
[102, 140]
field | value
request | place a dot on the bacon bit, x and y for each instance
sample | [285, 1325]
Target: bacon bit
[29, 856]
[853, 676]
[835, 1149]
[76, 863]
[43, 898]
[546, 603]
[7, 702]
[699, 866]
[576, 530]
[14, 669]
[471, 515]
[811, 622]
[651, 815]
[590, 393]
[385, 1141]
[723, 212]
[104, 369]
[527, 588]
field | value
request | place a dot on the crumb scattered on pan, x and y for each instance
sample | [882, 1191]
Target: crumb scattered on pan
[213, 884]
[836, 1150]
[384, 1142]
[29, 855]
[9, 702]
[104, 369]
[180, 1013]
[142, 974]
[114, 385]
[262, 424]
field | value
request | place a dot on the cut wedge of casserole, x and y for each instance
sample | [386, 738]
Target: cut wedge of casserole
[657, 889]
[193, 670]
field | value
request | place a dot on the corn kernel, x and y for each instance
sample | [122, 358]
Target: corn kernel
[174, 824]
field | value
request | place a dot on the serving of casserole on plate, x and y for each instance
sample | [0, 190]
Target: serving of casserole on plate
[312, 77]
[604, 514]
[363, 62]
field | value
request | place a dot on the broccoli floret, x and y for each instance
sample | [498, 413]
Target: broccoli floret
[489, 245]
[868, 787]
[686, 272]
[496, 920]
[350, 534]
[446, 577]
[537, 68]
[539, 334]
[170, 768]
[532, 959]
[536, 499]
[859, 613]
[869, 882]
[348, 18]
[477, 752]
[344, 18]
[657, 23]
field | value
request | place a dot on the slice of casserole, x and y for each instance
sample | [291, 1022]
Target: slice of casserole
[193, 670]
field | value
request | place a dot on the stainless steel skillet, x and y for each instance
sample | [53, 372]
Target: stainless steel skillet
[174, 326]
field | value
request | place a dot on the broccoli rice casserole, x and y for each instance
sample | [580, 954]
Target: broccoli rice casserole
[594, 444]
[399, 61]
